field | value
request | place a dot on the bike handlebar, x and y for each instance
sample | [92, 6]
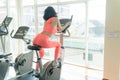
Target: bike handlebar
[5, 55]
[64, 21]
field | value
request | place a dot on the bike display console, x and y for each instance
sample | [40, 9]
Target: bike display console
[64, 21]
[4, 25]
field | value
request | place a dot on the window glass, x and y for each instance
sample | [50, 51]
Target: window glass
[77, 28]
[2, 10]
[46, 1]
[12, 2]
[13, 26]
[67, 0]
[2, 14]
[40, 18]
[29, 20]
[95, 53]
[74, 51]
[96, 18]
[27, 2]
[96, 26]
[3, 3]
[12, 12]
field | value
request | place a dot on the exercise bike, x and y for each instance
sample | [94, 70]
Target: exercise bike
[23, 62]
[47, 71]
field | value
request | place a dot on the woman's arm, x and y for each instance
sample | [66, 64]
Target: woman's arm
[61, 28]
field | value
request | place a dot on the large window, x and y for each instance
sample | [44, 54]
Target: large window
[96, 26]
[85, 46]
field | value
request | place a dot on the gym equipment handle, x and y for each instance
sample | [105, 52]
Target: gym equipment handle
[4, 56]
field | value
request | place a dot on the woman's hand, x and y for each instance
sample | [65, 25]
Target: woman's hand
[68, 23]
[66, 26]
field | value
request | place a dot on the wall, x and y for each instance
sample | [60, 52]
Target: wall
[112, 41]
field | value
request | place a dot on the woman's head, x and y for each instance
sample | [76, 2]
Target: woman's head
[49, 12]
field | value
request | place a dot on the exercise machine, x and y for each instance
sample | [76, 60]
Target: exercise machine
[47, 71]
[4, 30]
[23, 62]
[4, 65]
[4, 60]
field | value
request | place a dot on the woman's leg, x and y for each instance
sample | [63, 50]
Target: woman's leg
[41, 53]
[57, 46]
[57, 51]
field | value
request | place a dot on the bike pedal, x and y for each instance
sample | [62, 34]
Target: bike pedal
[36, 75]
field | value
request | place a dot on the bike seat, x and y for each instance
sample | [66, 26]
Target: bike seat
[34, 47]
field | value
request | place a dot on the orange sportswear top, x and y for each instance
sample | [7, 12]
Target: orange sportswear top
[48, 27]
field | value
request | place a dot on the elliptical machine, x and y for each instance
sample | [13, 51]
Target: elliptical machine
[47, 71]
[4, 30]
[4, 60]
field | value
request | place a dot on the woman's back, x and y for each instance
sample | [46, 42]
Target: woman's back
[50, 26]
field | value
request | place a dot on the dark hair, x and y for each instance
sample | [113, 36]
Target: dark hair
[49, 12]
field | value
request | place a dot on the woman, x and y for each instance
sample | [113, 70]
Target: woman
[51, 26]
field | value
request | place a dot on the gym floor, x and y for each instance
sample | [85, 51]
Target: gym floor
[74, 72]
[70, 72]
